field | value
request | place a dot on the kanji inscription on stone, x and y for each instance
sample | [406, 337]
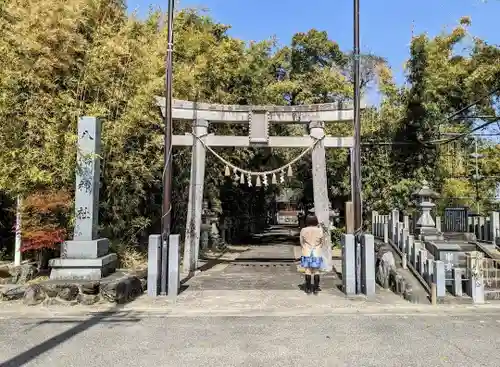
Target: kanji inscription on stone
[87, 135]
[87, 179]
[85, 168]
[82, 213]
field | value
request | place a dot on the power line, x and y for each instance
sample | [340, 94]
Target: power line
[446, 141]
[448, 119]
[433, 142]
[487, 95]
[475, 135]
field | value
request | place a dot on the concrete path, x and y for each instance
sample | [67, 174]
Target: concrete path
[269, 266]
[365, 340]
[270, 263]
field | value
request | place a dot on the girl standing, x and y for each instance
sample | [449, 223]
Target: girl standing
[311, 241]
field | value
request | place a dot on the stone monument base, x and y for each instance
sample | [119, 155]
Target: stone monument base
[429, 234]
[90, 249]
[459, 236]
[83, 269]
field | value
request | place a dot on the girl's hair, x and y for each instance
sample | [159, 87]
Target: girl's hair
[311, 220]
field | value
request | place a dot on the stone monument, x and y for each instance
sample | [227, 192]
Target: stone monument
[87, 256]
[425, 226]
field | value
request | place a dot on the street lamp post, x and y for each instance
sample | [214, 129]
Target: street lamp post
[167, 166]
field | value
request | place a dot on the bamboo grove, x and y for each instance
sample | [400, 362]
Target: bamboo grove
[61, 59]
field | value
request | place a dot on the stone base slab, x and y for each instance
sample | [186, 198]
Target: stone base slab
[120, 287]
[429, 234]
[91, 249]
[83, 269]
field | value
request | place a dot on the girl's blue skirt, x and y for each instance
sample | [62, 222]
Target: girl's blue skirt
[312, 262]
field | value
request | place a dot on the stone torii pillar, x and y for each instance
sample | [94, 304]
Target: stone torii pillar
[195, 204]
[320, 186]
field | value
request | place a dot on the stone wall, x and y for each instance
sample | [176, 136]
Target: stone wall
[120, 288]
[389, 275]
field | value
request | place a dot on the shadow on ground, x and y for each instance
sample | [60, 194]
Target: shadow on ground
[113, 316]
[275, 235]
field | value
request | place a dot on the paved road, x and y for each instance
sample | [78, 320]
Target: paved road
[136, 339]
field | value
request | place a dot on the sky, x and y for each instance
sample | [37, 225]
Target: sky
[386, 25]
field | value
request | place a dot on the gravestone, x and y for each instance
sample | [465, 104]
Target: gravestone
[456, 220]
[86, 257]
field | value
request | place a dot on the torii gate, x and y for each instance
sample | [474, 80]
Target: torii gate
[259, 118]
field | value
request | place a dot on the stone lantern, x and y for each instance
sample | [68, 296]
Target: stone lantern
[206, 215]
[425, 226]
[209, 229]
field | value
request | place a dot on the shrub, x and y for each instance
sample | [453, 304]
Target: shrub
[45, 219]
[130, 257]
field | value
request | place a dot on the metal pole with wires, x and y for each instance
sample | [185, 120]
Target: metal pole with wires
[356, 169]
[476, 176]
[167, 168]
[356, 162]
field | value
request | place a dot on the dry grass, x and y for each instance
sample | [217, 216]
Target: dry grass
[39, 279]
[132, 258]
[336, 252]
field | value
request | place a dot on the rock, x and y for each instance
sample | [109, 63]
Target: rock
[34, 295]
[4, 272]
[139, 273]
[5, 277]
[385, 263]
[6, 280]
[23, 273]
[68, 293]
[122, 290]
[65, 291]
[13, 293]
[394, 281]
[87, 299]
[50, 289]
[408, 294]
[91, 287]
[144, 284]
[400, 284]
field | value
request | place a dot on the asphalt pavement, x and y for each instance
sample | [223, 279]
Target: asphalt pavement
[136, 339]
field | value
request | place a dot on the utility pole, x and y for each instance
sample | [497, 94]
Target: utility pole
[476, 176]
[356, 164]
[167, 165]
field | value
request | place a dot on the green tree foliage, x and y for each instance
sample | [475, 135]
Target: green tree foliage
[445, 74]
[62, 59]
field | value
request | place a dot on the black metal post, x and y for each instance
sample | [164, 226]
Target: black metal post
[167, 169]
[356, 171]
[356, 163]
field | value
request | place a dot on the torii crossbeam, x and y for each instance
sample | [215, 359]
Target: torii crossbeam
[259, 119]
